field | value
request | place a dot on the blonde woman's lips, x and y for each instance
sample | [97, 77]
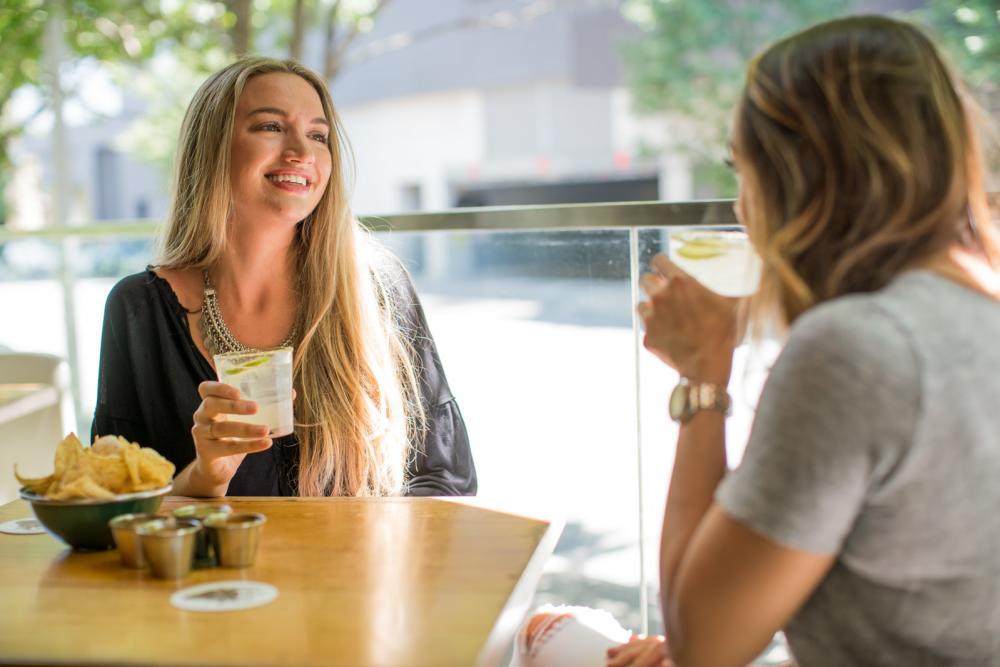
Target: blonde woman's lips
[290, 181]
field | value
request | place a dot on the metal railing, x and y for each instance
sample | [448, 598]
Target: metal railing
[490, 218]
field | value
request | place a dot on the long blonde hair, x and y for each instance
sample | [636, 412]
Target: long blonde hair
[358, 406]
[858, 161]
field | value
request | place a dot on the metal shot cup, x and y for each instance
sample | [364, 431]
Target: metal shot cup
[168, 546]
[204, 554]
[123, 530]
[235, 537]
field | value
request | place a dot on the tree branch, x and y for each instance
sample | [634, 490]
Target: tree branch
[335, 52]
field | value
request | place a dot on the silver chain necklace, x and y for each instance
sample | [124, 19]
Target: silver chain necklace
[216, 335]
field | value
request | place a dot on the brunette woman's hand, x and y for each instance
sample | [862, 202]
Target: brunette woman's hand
[688, 326]
[640, 651]
[221, 444]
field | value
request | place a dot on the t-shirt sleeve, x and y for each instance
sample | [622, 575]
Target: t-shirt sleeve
[837, 412]
[117, 409]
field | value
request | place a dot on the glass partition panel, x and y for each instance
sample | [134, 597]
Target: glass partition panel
[535, 333]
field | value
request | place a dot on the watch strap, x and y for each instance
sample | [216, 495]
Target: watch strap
[688, 399]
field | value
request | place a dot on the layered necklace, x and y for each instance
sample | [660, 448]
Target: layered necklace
[216, 335]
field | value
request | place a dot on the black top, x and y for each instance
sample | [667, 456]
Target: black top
[147, 392]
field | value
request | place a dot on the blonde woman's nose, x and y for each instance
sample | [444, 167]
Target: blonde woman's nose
[297, 148]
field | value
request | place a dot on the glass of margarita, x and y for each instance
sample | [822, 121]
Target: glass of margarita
[265, 377]
[720, 259]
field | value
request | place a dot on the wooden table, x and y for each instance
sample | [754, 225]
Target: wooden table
[401, 581]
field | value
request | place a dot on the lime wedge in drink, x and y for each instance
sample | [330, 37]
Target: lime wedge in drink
[259, 361]
[234, 371]
[702, 249]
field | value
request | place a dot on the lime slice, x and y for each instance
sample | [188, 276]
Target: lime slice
[259, 361]
[702, 249]
[234, 371]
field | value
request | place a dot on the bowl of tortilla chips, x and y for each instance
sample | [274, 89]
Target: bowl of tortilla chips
[92, 485]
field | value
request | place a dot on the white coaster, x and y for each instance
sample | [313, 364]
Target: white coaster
[224, 596]
[29, 525]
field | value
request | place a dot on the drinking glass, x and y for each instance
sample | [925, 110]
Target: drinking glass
[265, 377]
[723, 260]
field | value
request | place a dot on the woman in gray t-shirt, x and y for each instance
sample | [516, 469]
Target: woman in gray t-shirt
[864, 517]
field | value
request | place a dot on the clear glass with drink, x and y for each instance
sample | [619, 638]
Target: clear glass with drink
[265, 377]
[721, 259]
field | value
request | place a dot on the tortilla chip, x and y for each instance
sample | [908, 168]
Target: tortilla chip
[80, 487]
[67, 453]
[130, 455]
[108, 445]
[108, 471]
[154, 469]
[39, 485]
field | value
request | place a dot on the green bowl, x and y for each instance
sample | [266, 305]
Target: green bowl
[82, 523]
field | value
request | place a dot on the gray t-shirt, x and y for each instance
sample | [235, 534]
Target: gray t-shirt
[877, 438]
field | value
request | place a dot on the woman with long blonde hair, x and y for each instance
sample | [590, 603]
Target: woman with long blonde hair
[261, 250]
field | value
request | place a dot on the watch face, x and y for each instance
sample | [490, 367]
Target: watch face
[678, 402]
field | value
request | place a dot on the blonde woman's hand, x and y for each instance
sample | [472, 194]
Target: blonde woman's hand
[688, 326]
[221, 445]
[640, 651]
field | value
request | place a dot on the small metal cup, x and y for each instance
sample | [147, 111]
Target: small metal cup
[123, 530]
[168, 546]
[235, 537]
[204, 554]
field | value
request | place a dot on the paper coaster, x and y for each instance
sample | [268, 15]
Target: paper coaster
[29, 525]
[224, 596]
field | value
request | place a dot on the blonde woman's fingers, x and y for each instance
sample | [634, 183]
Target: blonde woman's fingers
[213, 406]
[234, 429]
[218, 389]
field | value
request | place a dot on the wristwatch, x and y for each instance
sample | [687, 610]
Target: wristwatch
[687, 399]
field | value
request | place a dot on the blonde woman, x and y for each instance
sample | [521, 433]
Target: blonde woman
[261, 250]
[862, 519]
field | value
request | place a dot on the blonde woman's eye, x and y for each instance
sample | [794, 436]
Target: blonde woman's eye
[269, 127]
[320, 137]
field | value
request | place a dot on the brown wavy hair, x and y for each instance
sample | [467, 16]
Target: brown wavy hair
[358, 408]
[858, 161]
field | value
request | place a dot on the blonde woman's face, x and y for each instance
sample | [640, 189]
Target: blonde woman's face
[280, 157]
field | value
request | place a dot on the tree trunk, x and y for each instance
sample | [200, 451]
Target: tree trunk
[298, 30]
[330, 65]
[242, 30]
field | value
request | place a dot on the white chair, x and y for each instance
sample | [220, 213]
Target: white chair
[36, 412]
